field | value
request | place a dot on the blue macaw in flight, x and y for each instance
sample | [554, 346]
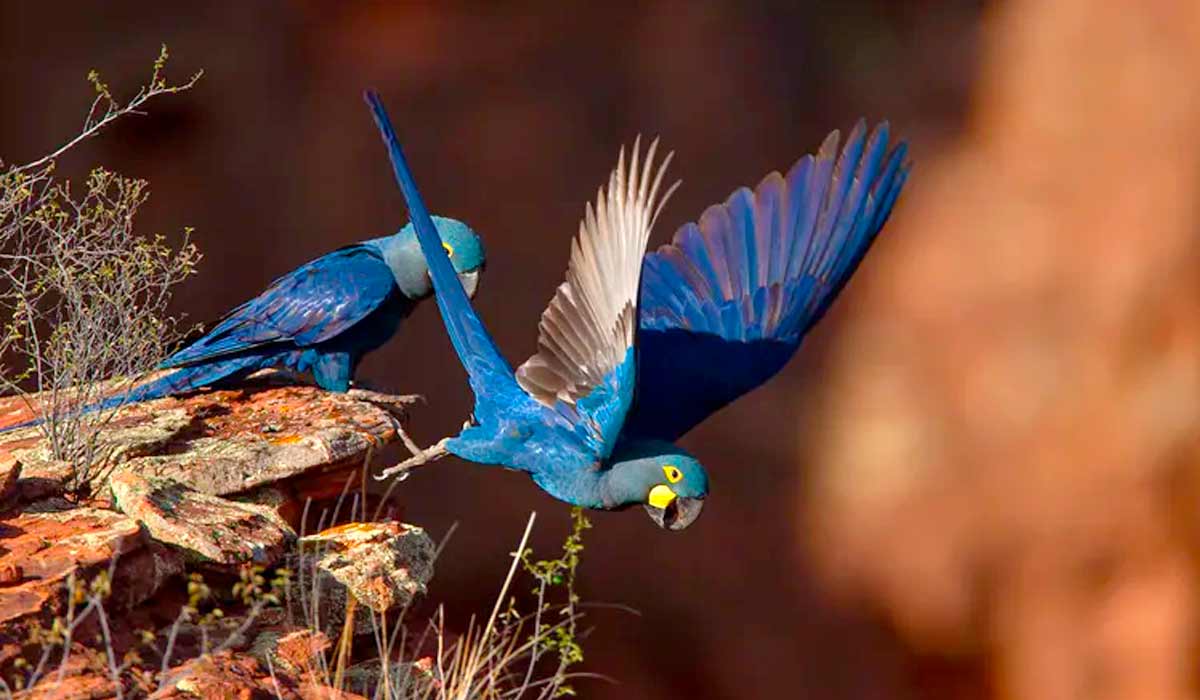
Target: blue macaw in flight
[634, 350]
[322, 317]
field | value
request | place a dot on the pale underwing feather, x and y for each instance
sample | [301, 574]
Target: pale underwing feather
[588, 328]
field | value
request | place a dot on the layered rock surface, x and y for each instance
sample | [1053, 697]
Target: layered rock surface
[215, 480]
[224, 441]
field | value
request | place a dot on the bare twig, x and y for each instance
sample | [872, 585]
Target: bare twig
[110, 654]
[106, 109]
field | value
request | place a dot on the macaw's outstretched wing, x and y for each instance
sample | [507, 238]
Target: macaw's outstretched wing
[488, 371]
[727, 302]
[585, 337]
[311, 304]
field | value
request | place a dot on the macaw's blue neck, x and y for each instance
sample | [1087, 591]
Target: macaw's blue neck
[619, 487]
[403, 256]
[579, 487]
[623, 480]
[600, 488]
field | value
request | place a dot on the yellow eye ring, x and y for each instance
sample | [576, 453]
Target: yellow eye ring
[449, 248]
[672, 473]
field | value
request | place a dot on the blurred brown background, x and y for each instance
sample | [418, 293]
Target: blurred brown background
[979, 479]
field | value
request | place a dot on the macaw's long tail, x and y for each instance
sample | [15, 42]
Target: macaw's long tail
[177, 382]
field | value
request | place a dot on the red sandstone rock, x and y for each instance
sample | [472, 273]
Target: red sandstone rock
[43, 478]
[207, 529]
[226, 441]
[10, 471]
[300, 651]
[41, 551]
[381, 565]
[227, 675]
[10, 574]
[85, 678]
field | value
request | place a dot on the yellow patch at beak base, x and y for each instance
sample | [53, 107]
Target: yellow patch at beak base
[661, 496]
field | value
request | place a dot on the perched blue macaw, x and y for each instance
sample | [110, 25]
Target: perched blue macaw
[322, 317]
[618, 376]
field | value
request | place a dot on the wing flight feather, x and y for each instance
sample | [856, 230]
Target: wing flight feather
[587, 329]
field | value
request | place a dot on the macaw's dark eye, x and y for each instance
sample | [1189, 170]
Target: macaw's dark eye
[449, 248]
[672, 473]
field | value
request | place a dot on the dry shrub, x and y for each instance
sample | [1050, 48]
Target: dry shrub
[83, 298]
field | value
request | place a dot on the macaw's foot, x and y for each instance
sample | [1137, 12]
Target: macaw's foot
[419, 457]
[395, 404]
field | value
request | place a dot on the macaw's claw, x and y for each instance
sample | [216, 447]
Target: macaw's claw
[419, 457]
[395, 404]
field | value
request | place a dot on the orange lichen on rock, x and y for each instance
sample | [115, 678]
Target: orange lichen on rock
[207, 529]
[382, 565]
[230, 440]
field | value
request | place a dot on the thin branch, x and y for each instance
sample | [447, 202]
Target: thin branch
[115, 110]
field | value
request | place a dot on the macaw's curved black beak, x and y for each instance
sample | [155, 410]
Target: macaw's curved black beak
[678, 514]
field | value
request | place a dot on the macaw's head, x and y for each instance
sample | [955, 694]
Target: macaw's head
[670, 483]
[462, 245]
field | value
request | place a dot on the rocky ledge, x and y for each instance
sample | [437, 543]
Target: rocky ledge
[202, 492]
[220, 442]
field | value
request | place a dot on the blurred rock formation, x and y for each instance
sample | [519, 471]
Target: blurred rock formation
[1006, 449]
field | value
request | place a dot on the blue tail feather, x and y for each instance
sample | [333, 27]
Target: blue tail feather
[177, 382]
[470, 339]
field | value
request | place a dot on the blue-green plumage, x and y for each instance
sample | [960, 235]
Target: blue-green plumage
[325, 315]
[593, 415]
[322, 317]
